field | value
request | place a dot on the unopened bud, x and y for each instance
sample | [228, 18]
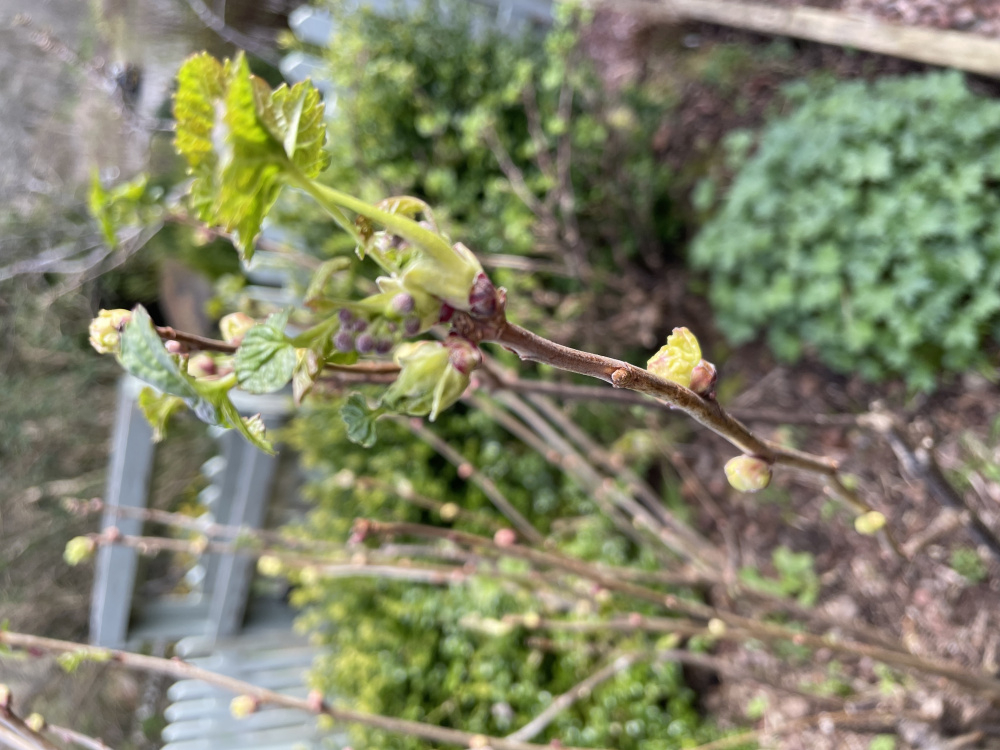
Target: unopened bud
[242, 706]
[403, 303]
[202, 366]
[869, 523]
[505, 538]
[483, 297]
[35, 722]
[343, 342]
[463, 355]
[270, 566]
[748, 474]
[79, 549]
[364, 343]
[235, 326]
[448, 512]
[106, 328]
[703, 378]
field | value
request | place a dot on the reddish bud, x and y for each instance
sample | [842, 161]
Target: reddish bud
[483, 300]
[505, 538]
[703, 378]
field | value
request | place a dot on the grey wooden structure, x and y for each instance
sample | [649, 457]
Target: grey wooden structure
[241, 478]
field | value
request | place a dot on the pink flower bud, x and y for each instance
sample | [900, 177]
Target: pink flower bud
[703, 378]
[505, 538]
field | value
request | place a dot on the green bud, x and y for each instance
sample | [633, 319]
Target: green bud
[106, 328]
[748, 474]
[235, 326]
[869, 523]
[450, 281]
[79, 549]
[242, 706]
[677, 359]
[202, 366]
[428, 383]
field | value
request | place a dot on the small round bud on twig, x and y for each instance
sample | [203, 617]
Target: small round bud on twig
[748, 474]
[242, 706]
[703, 378]
[505, 538]
[365, 343]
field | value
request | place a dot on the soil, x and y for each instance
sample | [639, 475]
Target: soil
[920, 600]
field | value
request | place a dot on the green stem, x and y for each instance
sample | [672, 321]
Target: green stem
[333, 200]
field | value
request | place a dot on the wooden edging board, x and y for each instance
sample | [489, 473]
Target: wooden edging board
[953, 49]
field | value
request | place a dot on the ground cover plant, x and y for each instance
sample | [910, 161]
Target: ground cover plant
[862, 229]
[561, 556]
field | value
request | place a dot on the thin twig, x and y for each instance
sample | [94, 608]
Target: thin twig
[468, 471]
[77, 738]
[184, 671]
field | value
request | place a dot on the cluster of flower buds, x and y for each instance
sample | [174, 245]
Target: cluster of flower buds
[679, 361]
[434, 376]
[106, 329]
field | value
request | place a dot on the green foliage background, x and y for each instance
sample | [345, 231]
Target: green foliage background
[440, 653]
[864, 229]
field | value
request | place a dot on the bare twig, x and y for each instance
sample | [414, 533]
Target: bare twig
[183, 671]
[77, 738]
[469, 472]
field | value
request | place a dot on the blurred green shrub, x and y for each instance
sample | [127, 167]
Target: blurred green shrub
[428, 108]
[441, 653]
[864, 229]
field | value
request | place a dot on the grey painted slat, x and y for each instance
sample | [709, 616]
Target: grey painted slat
[127, 485]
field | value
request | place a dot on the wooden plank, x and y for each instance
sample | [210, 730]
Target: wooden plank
[127, 485]
[952, 49]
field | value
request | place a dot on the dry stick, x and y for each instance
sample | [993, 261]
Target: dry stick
[574, 392]
[866, 719]
[422, 501]
[14, 723]
[77, 738]
[745, 627]
[615, 465]
[581, 690]
[621, 663]
[358, 565]
[520, 430]
[183, 671]
[484, 483]
[10, 738]
[676, 536]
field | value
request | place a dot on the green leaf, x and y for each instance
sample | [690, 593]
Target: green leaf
[231, 417]
[266, 359]
[317, 284]
[360, 420]
[201, 86]
[240, 139]
[144, 356]
[158, 408]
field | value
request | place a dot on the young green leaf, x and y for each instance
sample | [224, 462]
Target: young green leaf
[360, 420]
[251, 428]
[144, 356]
[241, 140]
[266, 359]
[158, 408]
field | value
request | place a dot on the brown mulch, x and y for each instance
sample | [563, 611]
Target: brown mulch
[922, 602]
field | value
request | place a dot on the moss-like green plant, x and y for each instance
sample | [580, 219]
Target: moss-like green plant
[864, 229]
